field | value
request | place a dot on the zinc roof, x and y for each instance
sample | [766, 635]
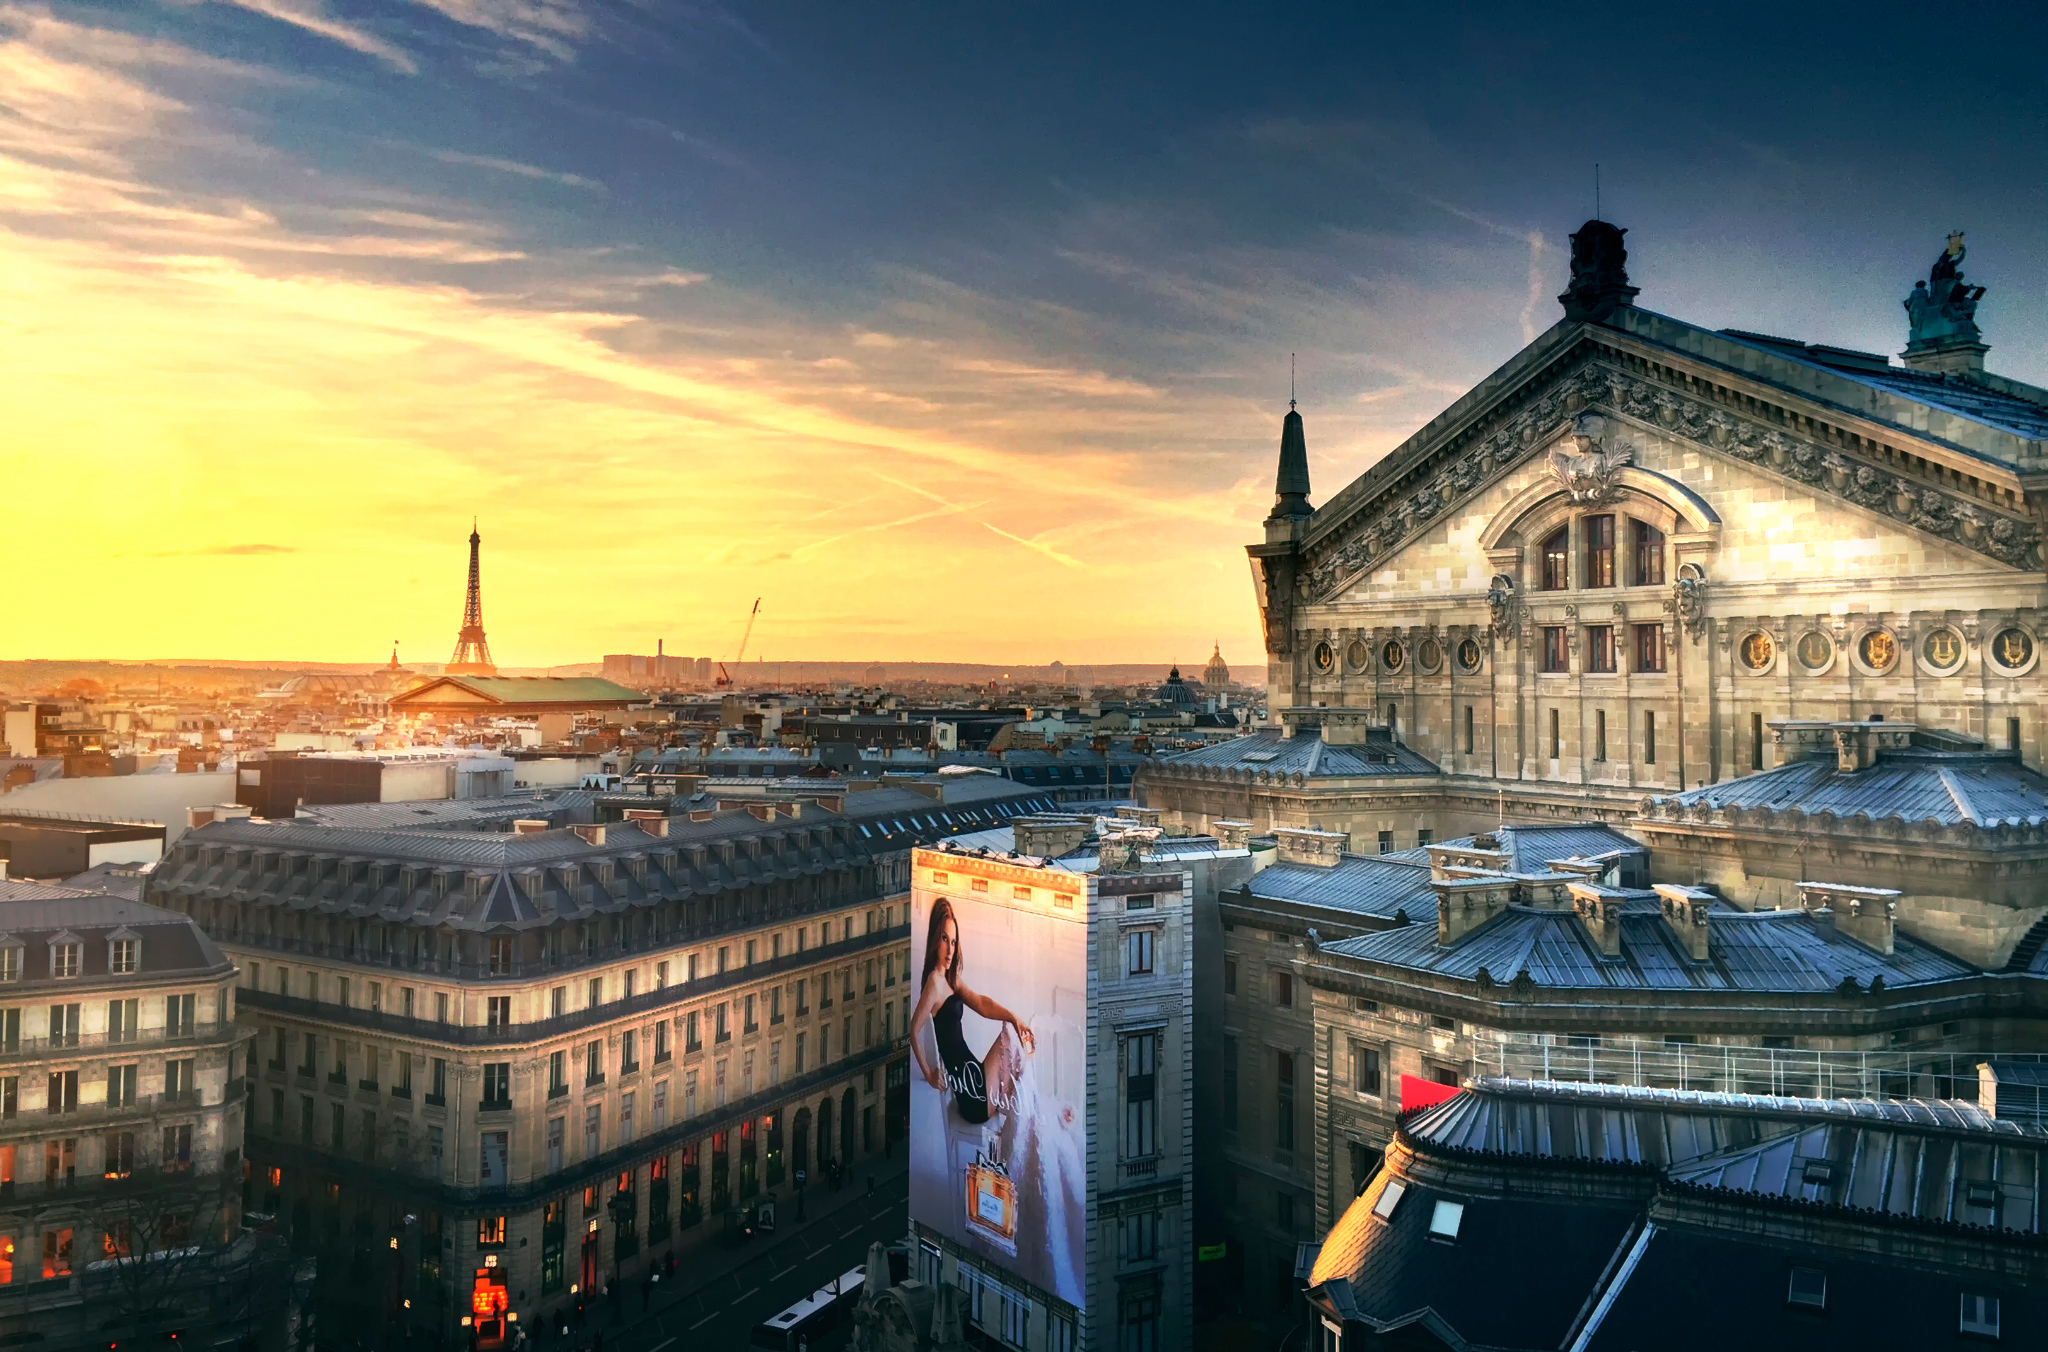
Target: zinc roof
[1912, 784]
[1269, 752]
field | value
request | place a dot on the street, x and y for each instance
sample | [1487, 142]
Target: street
[775, 1272]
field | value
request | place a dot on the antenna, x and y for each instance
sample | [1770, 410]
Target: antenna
[1596, 190]
[1290, 380]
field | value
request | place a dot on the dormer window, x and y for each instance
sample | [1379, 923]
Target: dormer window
[64, 955]
[11, 953]
[124, 956]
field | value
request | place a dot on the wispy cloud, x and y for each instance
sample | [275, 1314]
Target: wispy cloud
[312, 16]
[552, 26]
[504, 166]
[223, 551]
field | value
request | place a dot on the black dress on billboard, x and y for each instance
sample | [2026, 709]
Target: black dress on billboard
[963, 1068]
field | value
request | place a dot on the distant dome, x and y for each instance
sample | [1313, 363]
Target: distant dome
[1217, 674]
[1177, 691]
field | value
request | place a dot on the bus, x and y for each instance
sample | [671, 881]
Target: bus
[823, 1309]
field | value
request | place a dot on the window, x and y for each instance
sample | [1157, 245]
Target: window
[1756, 741]
[1283, 989]
[490, 1232]
[1556, 652]
[10, 962]
[1140, 1320]
[1600, 648]
[498, 1012]
[1445, 1219]
[800, 1053]
[629, 1051]
[1283, 1106]
[747, 1024]
[1808, 1288]
[438, 1078]
[120, 1153]
[123, 956]
[1423, 837]
[558, 1073]
[1389, 1198]
[661, 1041]
[64, 962]
[498, 1084]
[1365, 1162]
[177, 1155]
[803, 1003]
[1556, 576]
[1980, 1315]
[1599, 551]
[1556, 736]
[63, 1092]
[775, 998]
[1014, 1317]
[56, 1253]
[1229, 1083]
[593, 995]
[1468, 729]
[1599, 734]
[593, 1130]
[1230, 976]
[1649, 736]
[593, 1062]
[121, 1082]
[1138, 1236]
[1386, 842]
[1365, 1069]
[1649, 552]
[1649, 647]
[178, 1015]
[1138, 949]
[1141, 1051]
[692, 1040]
[124, 1022]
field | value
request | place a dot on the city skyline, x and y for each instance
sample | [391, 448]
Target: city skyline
[695, 308]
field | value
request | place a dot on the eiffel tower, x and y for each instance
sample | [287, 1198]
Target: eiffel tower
[472, 649]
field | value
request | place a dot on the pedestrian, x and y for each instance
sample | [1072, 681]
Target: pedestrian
[871, 1183]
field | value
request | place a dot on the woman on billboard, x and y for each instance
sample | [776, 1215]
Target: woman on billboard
[979, 1084]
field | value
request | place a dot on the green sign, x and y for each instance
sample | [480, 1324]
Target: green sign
[1210, 1253]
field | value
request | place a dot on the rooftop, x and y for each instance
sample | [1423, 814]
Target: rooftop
[1268, 752]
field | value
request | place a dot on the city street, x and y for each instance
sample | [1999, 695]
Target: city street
[764, 1277]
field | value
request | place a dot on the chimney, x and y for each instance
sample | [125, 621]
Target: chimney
[762, 811]
[702, 814]
[592, 834]
[196, 817]
[795, 809]
[652, 822]
[1464, 904]
[1233, 835]
[1865, 914]
[1685, 911]
[1454, 861]
[1319, 849]
[1599, 909]
[527, 826]
[1049, 836]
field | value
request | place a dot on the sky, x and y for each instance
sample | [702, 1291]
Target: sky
[952, 332]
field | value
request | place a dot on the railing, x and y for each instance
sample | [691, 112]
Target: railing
[1144, 1166]
[1780, 1071]
[42, 1121]
[69, 1044]
[560, 1025]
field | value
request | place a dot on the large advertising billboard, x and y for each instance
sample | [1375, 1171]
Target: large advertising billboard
[999, 1045]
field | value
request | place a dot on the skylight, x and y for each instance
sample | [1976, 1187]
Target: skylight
[1445, 1220]
[1808, 1288]
[1390, 1197]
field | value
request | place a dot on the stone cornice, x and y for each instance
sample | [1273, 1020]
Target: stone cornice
[1868, 465]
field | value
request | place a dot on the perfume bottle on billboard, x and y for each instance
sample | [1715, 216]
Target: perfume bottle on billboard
[991, 1202]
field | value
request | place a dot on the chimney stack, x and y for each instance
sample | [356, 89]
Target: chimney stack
[1464, 904]
[527, 826]
[1318, 849]
[1685, 911]
[196, 817]
[1865, 914]
[1599, 908]
[1049, 835]
[592, 834]
[648, 820]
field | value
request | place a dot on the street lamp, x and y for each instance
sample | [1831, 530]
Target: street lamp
[623, 1210]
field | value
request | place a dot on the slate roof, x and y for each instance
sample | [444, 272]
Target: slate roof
[1269, 752]
[171, 943]
[451, 813]
[1778, 952]
[1912, 784]
[1364, 884]
[1960, 396]
[1533, 847]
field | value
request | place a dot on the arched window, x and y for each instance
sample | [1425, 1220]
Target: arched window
[1600, 551]
[1649, 555]
[1556, 574]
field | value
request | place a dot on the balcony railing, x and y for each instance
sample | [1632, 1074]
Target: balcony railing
[1142, 1166]
[43, 1122]
[95, 1044]
[1780, 1071]
[538, 1030]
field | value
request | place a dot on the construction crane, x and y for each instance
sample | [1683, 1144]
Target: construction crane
[724, 681]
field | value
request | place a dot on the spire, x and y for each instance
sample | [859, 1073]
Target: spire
[1290, 487]
[1599, 273]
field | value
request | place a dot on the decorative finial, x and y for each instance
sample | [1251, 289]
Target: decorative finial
[1599, 273]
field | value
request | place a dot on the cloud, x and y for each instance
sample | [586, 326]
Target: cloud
[515, 167]
[548, 25]
[313, 17]
[223, 551]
